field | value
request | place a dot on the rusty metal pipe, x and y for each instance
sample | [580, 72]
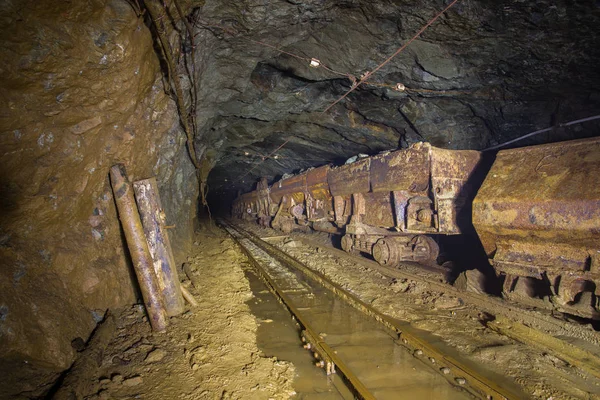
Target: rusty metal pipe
[138, 247]
[153, 222]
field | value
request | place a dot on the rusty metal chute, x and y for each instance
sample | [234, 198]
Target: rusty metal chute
[538, 217]
[404, 194]
[455, 178]
[350, 178]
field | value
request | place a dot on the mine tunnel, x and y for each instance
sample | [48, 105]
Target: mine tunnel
[254, 199]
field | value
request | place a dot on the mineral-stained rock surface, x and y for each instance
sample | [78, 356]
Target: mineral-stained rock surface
[81, 90]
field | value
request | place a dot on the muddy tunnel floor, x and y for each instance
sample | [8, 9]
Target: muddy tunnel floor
[241, 343]
[471, 119]
[451, 319]
[210, 351]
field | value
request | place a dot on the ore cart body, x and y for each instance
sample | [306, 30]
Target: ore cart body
[537, 213]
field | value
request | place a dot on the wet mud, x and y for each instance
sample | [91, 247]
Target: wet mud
[366, 347]
[278, 336]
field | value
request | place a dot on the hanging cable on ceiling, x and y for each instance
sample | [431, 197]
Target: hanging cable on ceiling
[368, 74]
[355, 83]
[577, 121]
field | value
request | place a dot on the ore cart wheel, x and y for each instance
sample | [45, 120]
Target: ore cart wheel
[385, 253]
[348, 244]
[425, 249]
[391, 251]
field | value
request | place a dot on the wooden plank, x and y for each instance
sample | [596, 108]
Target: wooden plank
[138, 247]
[153, 221]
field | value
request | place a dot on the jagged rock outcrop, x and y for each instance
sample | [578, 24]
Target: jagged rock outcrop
[81, 91]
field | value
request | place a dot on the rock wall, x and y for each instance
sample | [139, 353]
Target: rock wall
[484, 73]
[81, 91]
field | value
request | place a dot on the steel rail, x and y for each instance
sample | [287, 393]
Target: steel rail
[504, 313]
[446, 361]
[309, 335]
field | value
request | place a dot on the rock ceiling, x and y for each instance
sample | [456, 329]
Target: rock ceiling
[483, 73]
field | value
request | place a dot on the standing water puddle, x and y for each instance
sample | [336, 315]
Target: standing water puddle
[278, 336]
[384, 367]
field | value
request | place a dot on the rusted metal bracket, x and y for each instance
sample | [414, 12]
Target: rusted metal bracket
[400, 204]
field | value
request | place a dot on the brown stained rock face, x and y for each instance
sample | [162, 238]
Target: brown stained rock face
[81, 91]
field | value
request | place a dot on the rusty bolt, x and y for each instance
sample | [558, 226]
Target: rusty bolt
[424, 216]
[330, 368]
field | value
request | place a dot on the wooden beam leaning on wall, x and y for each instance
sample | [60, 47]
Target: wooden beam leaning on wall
[138, 247]
[153, 221]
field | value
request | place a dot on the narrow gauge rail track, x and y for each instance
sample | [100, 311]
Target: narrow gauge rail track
[376, 356]
[543, 329]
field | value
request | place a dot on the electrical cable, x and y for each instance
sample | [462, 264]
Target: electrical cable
[368, 74]
[313, 62]
[316, 63]
[577, 121]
